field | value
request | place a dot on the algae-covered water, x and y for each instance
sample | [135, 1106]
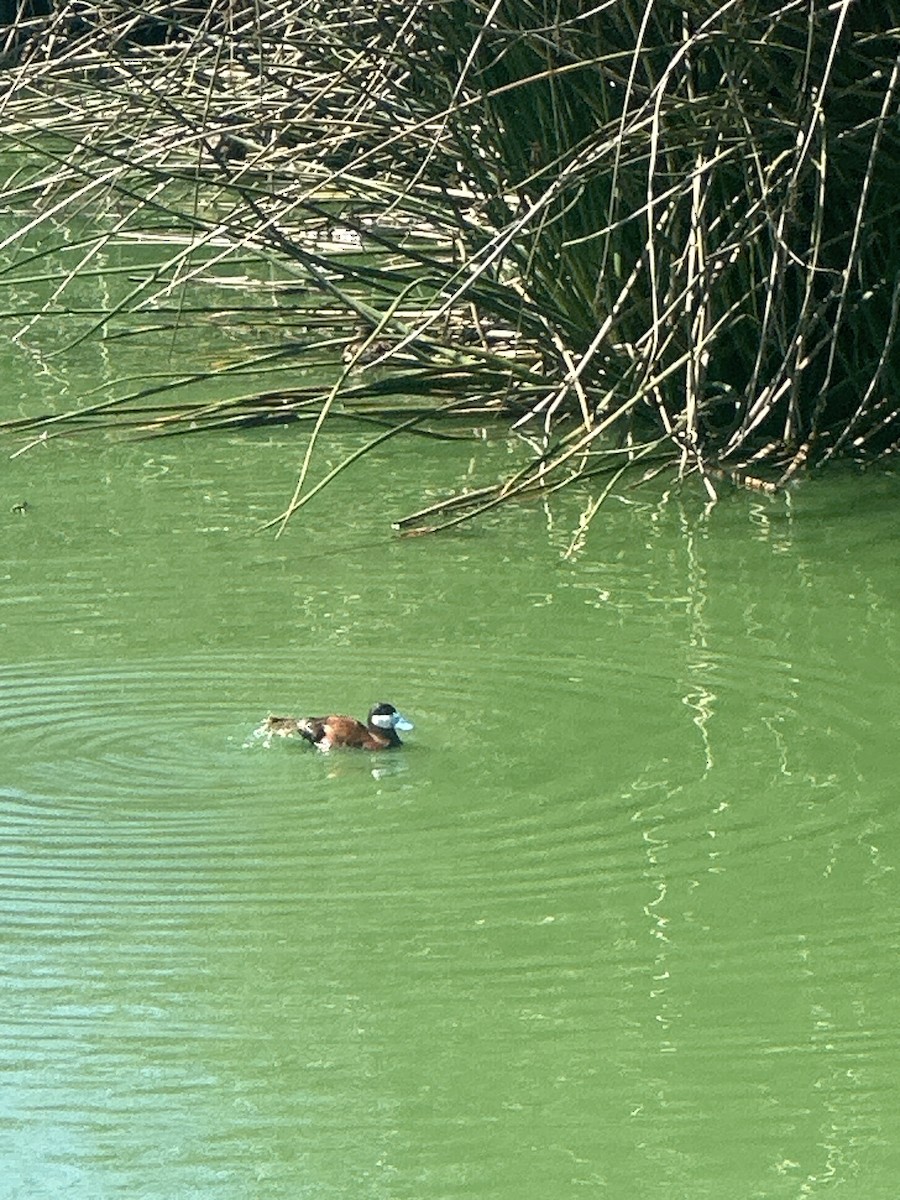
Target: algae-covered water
[620, 919]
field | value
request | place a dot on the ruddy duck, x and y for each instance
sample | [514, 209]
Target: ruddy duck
[330, 733]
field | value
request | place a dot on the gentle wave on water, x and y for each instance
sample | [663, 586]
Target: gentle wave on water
[600, 876]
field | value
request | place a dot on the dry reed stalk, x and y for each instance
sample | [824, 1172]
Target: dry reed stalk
[672, 225]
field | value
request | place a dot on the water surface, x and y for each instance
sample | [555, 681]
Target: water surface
[619, 920]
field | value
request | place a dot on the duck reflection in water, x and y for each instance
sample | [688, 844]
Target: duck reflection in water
[338, 732]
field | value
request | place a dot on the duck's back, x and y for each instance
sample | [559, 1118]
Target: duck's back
[335, 730]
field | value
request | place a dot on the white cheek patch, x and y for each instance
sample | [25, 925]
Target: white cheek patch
[383, 720]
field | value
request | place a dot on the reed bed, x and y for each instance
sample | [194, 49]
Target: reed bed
[645, 237]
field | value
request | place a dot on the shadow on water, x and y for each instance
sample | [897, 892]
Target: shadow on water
[618, 916]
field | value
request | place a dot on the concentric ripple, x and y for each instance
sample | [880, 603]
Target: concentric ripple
[141, 729]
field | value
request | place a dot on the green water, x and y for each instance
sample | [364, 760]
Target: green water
[619, 920]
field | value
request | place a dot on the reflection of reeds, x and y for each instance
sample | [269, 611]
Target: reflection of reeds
[643, 233]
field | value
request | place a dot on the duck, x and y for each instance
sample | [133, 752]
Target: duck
[335, 732]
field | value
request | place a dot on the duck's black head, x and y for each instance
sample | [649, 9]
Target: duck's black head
[386, 718]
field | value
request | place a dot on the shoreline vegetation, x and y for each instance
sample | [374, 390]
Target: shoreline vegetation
[646, 238]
